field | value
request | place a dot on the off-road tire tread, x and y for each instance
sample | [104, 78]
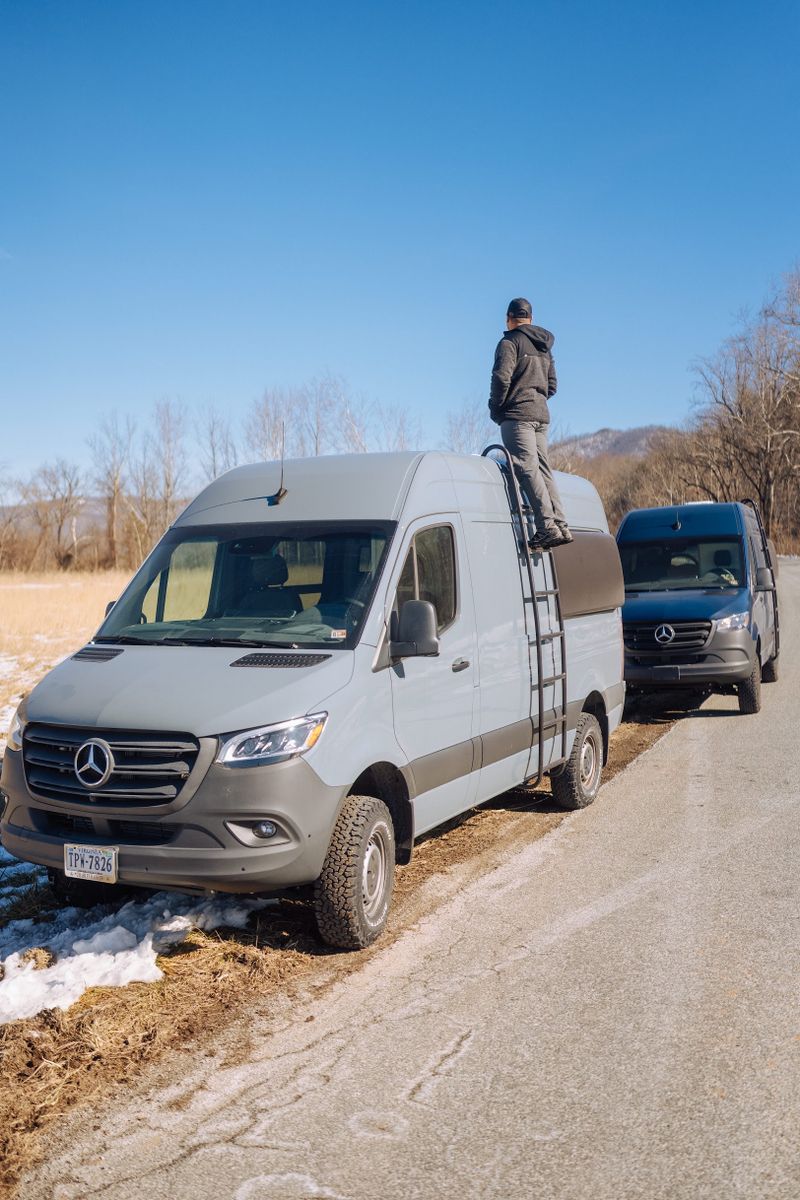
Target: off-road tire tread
[337, 900]
[566, 785]
[749, 692]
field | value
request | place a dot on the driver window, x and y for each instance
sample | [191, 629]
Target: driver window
[429, 573]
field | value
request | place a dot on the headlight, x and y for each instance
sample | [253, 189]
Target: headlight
[272, 743]
[18, 723]
[734, 621]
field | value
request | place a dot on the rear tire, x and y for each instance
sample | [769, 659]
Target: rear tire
[770, 671]
[749, 692]
[354, 889]
[577, 784]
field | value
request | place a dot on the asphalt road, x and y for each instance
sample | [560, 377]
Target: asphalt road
[612, 1013]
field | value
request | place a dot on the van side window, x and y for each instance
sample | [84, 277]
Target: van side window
[429, 573]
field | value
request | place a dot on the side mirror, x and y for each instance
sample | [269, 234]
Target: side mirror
[765, 580]
[109, 606]
[416, 631]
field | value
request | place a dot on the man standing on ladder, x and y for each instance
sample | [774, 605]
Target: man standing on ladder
[523, 379]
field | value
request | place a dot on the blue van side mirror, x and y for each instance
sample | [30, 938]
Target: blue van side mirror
[417, 636]
[765, 580]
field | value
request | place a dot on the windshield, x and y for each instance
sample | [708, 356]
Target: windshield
[678, 564]
[293, 585]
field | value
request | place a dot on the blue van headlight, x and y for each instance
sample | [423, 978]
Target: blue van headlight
[735, 621]
[271, 743]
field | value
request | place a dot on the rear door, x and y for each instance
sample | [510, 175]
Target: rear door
[433, 698]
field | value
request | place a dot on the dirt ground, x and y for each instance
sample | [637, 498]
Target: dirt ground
[58, 1059]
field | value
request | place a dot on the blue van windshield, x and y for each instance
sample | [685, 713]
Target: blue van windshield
[676, 564]
[296, 585]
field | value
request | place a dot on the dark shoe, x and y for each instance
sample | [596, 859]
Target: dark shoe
[566, 535]
[545, 540]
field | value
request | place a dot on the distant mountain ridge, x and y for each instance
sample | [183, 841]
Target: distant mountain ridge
[615, 442]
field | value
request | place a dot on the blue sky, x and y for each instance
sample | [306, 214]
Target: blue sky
[200, 200]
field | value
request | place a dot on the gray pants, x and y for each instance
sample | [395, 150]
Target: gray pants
[526, 442]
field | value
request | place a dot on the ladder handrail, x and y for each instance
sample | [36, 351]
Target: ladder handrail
[771, 564]
[517, 497]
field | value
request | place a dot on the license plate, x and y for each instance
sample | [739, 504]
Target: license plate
[98, 863]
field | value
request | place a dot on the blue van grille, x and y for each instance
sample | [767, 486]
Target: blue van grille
[148, 768]
[640, 637]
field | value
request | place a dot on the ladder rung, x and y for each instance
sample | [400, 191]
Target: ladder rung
[541, 595]
[549, 637]
[553, 679]
[554, 722]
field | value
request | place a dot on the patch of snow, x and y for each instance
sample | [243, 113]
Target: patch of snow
[95, 947]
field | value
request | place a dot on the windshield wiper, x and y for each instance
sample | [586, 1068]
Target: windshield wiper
[127, 640]
[217, 641]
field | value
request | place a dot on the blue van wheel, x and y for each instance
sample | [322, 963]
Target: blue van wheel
[750, 691]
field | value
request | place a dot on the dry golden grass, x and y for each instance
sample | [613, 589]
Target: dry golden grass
[44, 617]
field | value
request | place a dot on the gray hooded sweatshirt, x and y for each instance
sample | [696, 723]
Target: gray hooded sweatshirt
[523, 376]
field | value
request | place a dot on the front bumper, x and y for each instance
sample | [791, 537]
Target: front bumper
[728, 658]
[200, 846]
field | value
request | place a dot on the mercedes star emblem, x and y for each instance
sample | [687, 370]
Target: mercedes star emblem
[664, 635]
[94, 763]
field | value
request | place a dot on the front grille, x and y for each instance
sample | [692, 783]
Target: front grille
[149, 768]
[64, 826]
[145, 833]
[640, 638]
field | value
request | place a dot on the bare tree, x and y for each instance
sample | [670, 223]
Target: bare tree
[396, 428]
[353, 424]
[168, 451]
[53, 498]
[142, 501]
[9, 523]
[468, 428]
[314, 416]
[266, 424]
[111, 448]
[216, 444]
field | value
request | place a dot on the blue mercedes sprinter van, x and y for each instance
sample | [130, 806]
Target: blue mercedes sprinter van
[701, 605]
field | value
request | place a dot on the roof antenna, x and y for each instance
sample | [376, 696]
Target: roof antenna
[676, 524]
[281, 492]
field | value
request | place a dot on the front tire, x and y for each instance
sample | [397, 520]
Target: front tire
[577, 784]
[769, 672]
[354, 889]
[750, 691]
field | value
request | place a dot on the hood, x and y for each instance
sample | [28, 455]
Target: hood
[688, 604]
[186, 689]
[542, 338]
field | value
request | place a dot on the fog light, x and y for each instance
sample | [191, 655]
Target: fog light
[265, 829]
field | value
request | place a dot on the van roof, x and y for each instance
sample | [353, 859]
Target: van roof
[365, 487]
[681, 521]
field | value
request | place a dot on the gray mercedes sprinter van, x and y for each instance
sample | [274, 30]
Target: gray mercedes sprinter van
[312, 668]
[701, 602]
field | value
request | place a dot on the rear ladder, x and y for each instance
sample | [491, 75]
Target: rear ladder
[550, 635]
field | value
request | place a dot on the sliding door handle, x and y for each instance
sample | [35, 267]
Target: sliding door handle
[460, 664]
